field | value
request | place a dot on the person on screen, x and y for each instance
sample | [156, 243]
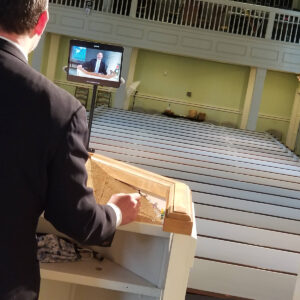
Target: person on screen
[96, 65]
[96, 68]
[43, 133]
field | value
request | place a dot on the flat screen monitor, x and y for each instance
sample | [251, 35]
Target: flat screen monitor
[95, 63]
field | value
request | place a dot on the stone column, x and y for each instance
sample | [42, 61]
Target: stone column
[121, 98]
[37, 55]
[294, 121]
[53, 55]
[253, 98]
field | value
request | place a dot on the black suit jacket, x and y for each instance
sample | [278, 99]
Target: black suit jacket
[43, 136]
[90, 66]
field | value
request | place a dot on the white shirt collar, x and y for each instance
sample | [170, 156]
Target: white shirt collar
[15, 44]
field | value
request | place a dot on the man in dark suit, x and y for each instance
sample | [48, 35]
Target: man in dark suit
[43, 134]
[96, 65]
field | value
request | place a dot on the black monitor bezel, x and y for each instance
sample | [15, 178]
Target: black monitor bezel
[100, 46]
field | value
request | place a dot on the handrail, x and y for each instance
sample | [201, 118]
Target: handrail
[224, 16]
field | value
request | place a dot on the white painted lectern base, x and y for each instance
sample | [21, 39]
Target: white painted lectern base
[148, 264]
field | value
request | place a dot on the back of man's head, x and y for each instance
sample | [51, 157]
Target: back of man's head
[20, 16]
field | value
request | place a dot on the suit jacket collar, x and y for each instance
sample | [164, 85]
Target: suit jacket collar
[11, 49]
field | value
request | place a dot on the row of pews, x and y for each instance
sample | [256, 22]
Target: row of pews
[245, 188]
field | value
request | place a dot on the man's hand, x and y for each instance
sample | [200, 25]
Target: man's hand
[129, 205]
[80, 67]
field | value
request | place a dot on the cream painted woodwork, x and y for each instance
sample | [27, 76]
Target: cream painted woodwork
[210, 45]
[167, 38]
[37, 56]
[147, 260]
[53, 56]
[130, 76]
[294, 122]
[256, 98]
[248, 98]
[133, 8]
[121, 97]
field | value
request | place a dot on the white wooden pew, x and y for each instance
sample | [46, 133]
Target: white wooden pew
[243, 148]
[245, 189]
[164, 125]
[185, 156]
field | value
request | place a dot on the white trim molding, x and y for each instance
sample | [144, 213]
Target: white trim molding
[186, 103]
[178, 101]
[167, 38]
[207, 106]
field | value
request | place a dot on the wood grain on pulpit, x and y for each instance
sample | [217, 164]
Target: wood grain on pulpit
[108, 177]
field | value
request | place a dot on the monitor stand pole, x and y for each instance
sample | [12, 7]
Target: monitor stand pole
[91, 115]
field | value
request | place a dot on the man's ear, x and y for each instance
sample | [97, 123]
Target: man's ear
[42, 22]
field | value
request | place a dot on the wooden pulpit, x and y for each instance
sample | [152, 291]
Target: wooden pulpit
[149, 258]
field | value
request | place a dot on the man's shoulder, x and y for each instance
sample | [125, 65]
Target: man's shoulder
[42, 84]
[42, 90]
[62, 106]
[89, 62]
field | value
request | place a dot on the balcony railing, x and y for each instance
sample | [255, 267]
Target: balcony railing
[230, 17]
[284, 4]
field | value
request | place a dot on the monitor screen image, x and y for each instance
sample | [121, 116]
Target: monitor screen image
[95, 63]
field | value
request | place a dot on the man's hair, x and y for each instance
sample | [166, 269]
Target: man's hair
[20, 16]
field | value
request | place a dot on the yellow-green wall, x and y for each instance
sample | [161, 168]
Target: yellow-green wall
[62, 59]
[46, 54]
[211, 83]
[30, 58]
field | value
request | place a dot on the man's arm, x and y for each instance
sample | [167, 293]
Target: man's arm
[70, 204]
[88, 66]
[111, 75]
